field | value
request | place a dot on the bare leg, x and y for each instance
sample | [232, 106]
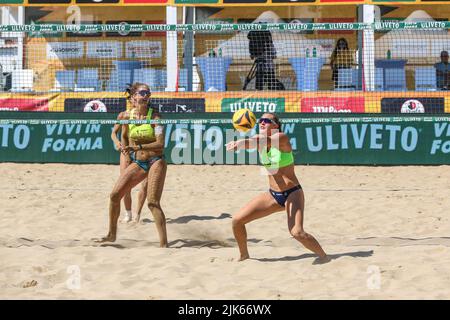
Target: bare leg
[142, 195]
[130, 178]
[261, 206]
[156, 178]
[295, 205]
[124, 163]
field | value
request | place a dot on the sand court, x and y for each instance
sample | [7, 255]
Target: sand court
[387, 230]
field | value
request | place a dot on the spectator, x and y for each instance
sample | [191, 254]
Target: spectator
[443, 72]
[341, 58]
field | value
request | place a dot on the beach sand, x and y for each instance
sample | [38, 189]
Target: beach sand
[386, 228]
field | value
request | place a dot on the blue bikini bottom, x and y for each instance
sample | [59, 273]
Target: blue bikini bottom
[282, 196]
[145, 164]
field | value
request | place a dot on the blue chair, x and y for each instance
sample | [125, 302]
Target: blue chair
[379, 84]
[65, 80]
[395, 79]
[345, 80]
[355, 79]
[182, 79]
[130, 65]
[149, 76]
[425, 79]
[88, 80]
[307, 72]
[214, 72]
[119, 80]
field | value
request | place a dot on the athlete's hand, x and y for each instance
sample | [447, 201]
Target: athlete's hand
[233, 145]
[127, 149]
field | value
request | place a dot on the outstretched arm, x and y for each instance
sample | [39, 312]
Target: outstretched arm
[259, 141]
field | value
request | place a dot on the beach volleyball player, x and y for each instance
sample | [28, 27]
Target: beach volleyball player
[125, 161]
[144, 145]
[285, 193]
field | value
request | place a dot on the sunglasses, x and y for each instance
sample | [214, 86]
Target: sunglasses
[144, 93]
[266, 120]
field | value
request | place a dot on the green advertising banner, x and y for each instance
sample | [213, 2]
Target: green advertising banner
[200, 139]
[255, 105]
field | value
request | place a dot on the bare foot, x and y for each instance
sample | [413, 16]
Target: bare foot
[108, 238]
[245, 257]
[137, 219]
[322, 260]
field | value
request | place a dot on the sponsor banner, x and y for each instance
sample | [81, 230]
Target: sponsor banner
[143, 49]
[23, 104]
[155, 34]
[195, 1]
[366, 140]
[412, 105]
[335, 20]
[85, 34]
[245, 1]
[145, 1]
[97, 1]
[333, 104]
[104, 49]
[178, 105]
[65, 50]
[255, 105]
[95, 105]
[124, 33]
[48, 1]
[52, 34]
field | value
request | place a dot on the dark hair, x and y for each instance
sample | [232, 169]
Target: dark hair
[337, 46]
[133, 87]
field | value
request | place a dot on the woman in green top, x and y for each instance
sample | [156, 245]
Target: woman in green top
[144, 145]
[285, 192]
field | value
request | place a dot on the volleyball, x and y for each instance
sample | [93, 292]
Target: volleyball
[244, 120]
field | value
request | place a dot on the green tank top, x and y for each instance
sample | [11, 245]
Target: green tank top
[275, 159]
[141, 131]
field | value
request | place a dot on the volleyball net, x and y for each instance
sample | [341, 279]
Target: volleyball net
[385, 67]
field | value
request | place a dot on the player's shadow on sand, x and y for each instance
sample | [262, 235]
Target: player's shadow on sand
[187, 219]
[213, 244]
[356, 254]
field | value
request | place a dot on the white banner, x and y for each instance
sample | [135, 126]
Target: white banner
[143, 49]
[65, 50]
[104, 49]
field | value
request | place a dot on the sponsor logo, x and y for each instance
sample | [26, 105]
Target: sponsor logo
[442, 142]
[23, 104]
[362, 136]
[412, 105]
[95, 105]
[332, 105]
[179, 105]
[255, 105]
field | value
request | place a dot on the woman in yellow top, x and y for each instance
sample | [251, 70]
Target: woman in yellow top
[144, 144]
[341, 58]
[285, 191]
[124, 163]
